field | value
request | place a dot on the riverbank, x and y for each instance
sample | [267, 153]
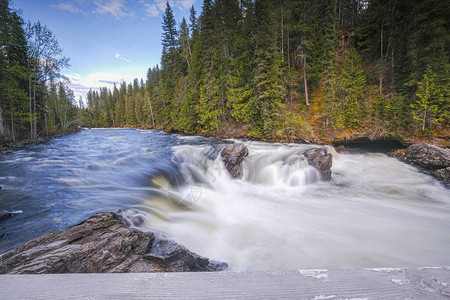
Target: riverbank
[6, 146]
[330, 136]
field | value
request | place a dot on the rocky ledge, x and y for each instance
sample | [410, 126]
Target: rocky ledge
[433, 160]
[102, 244]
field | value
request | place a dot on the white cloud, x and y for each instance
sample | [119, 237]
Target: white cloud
[162, 4]
[68, 6]
[112, 7]
[151, 9]
[120, 8]
[156, 7]
[121, 57]
[82, 84]
[185, 4]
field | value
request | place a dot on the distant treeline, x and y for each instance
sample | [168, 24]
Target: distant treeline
[34, 100]
[293, 68]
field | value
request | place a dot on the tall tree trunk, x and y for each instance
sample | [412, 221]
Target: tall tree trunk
[282, 36]
[424, 119]
[31, 107]
[13, 136]
[2, 129]
[189, 48]
[151, 111]
[305, 81]
[45, 116]
[34, 112]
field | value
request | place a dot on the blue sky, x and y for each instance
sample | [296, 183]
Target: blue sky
[106, 40]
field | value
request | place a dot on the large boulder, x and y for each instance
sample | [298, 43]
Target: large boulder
[320, 159]
[434, 160]
[233, 156]
[101, 244]
[425, 155]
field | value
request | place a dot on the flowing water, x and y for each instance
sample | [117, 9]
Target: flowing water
[375, 212]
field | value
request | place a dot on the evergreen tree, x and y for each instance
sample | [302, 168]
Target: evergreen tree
[13, 73]
[428, 107]
[267, 61]
[352, 88]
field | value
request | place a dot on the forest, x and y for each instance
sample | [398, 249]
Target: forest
[35, 101]
[279, 70]
[293, 69]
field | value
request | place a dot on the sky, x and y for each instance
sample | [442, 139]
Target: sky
[107, 41]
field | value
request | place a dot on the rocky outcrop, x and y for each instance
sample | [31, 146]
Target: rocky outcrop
[434, 160]
[102, 244]
[5, 215]
[233, 156]
[320, 159]
[443, 175]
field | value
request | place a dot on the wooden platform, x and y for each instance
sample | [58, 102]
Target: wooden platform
[388, 283]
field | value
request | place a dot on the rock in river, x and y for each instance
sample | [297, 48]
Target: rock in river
[233, 155]
[5, 215]
[320, 159]
[102, 244]
[435, 160]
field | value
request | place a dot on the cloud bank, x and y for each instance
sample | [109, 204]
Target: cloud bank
[82, 84]
[120, 8]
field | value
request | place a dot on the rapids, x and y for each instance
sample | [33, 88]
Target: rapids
[375, 212]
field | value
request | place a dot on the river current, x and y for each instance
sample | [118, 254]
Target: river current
[375, 212]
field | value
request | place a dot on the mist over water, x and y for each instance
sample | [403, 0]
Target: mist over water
[375, 212]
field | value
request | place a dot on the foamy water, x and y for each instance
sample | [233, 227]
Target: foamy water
[375, 212]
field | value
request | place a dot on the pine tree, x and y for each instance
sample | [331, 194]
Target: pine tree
[352, 87]
[13, 73]
[267, 71]
[170, 34]
[428, 107]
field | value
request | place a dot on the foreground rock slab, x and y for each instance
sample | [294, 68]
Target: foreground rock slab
[435, 160]
[102, 244]
[320, 159]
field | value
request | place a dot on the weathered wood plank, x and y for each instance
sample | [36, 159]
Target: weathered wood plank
[389, 283]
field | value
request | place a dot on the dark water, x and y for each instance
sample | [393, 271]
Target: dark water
[375, 212]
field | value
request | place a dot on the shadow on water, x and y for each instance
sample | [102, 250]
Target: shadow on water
[365, 145]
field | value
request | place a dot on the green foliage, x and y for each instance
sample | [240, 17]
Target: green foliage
[253, 63]
[291, 124]
[428, 107]
[30, 62]
[207, 112]
[240, 100]
[352, 87]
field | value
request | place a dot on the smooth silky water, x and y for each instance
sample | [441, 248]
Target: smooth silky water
[375, 212]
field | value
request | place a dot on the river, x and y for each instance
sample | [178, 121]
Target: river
[375, 212]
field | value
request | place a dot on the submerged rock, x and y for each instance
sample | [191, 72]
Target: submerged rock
[102, 244]
[435, 160]
[320, 159]
[233, 156]
[5, 215]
